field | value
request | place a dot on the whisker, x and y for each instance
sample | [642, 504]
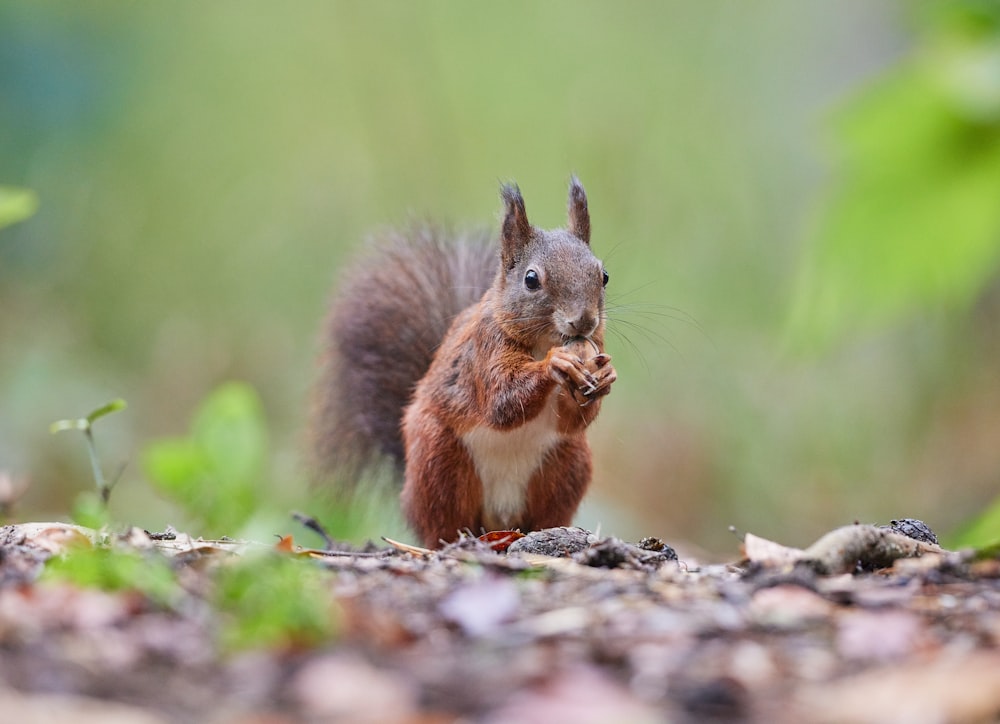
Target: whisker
[650, 334]
[650, 306]
[635, 349]
[611, 252]
[661, 312]
[650, 313]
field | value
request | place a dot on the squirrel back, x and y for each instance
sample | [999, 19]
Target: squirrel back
[392, 309]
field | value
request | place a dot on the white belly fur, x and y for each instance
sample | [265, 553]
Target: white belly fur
[505, 460]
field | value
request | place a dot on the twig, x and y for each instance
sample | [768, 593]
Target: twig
[344, 554]
[407, 548]
[314, 525]
[840, 551]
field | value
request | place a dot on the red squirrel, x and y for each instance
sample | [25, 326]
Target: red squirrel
[482, 406]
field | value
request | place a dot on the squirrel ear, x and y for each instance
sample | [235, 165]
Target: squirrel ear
[516, 231]
[579, 217]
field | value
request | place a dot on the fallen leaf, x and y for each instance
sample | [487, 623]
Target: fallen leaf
[285, 544]
[54, 538]
[500, 540]
[768, 553]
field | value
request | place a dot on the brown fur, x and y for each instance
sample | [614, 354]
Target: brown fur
[376, 348]
[500, 365]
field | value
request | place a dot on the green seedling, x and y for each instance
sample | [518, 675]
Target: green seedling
[215, 472]
[86, 426]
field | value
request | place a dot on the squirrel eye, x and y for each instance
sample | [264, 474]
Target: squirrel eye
[605, 277]
[531, 280]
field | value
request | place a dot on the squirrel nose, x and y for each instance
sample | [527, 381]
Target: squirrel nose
[584, 325]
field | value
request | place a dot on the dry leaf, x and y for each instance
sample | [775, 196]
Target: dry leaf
[768, 553]
[500, 540]
[285, 544]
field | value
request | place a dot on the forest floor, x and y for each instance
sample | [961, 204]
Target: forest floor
[867, 625]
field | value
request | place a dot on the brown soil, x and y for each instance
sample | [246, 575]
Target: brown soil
[606, 632]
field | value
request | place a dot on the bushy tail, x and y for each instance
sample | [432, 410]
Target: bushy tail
[389, 315]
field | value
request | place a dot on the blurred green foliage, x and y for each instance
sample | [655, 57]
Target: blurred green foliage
[222, 478]
[16, 205]
[274, 600]
[91, 511]
[914, 222]
[206, 169]
[982, 531]
[116, 569]
[216, 472]
[264, 599]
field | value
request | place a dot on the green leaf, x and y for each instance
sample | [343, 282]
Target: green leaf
[913, 223]
[983, 531]
[16, 205]
[84, 423]
[81, 423]
[229, 428]
[215, 472]
[107, 409]
[177, 466]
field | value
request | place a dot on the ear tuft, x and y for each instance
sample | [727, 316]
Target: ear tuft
[579, 216]
[516, 230]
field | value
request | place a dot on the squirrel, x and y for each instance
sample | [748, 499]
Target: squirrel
[476, 373]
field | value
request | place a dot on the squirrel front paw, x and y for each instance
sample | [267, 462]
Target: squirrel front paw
[604, 375]
[586, 380]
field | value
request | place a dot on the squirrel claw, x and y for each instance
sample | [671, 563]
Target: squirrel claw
[584, 380]
[600, 360]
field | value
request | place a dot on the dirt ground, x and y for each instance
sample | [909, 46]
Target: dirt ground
[868, 625]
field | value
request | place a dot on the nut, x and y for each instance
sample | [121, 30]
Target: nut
[583, 348]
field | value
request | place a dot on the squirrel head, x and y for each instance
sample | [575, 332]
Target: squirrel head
[551, 286]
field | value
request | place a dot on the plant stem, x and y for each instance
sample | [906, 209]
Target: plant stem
[102, 486]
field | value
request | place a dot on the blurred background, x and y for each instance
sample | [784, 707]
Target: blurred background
[797, 202]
